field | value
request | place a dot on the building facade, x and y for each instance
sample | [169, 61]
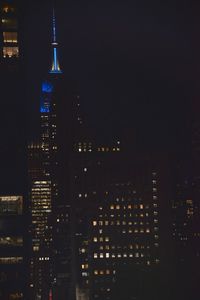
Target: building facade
[12, 248]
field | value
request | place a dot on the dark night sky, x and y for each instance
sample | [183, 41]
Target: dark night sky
[132, 62]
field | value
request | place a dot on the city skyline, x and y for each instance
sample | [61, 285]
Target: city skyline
[100, 156]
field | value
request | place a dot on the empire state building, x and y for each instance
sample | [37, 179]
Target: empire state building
[48, 225]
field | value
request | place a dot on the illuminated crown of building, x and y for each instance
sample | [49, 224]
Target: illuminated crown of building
[55, 68]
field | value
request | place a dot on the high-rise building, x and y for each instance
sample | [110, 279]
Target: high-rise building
[40, 229]
[12, 248]
[118, 215]
[12, 152]
[13, 229]
[49, 190]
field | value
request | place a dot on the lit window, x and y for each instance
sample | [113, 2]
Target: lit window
[84, 266]
[94, 223]
[107, 255]
[10, 37]
[11, 205]
[8, 8]
[35, 248]
[11, 260]
[10, 52]
[11, 241]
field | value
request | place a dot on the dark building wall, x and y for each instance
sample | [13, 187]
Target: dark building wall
[12, 152]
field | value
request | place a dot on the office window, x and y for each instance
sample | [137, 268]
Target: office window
[11, 260]
[11, 205]
[11, 241]
[8, 8]
[10, 37]
[10, 52]
[16, 296]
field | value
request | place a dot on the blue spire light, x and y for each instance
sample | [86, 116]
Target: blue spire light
[55, 68]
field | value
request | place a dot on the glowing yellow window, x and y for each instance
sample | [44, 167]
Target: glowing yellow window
[10, 52]
[10, 37]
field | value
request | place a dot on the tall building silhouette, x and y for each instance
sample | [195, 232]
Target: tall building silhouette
[13, 229]
[43, 178]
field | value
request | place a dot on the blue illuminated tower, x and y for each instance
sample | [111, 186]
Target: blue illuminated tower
[55, 67]
[43, 170]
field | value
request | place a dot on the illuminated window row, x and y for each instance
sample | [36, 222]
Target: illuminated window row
[119, 255]
[44, 258]
[130, 206]
[134, 246]
[11, 241]
[103, 272]
[124, 223]
[11, 260]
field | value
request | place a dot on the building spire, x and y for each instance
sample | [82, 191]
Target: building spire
[55, 67]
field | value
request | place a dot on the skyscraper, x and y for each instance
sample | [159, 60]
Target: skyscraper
[43, 178]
